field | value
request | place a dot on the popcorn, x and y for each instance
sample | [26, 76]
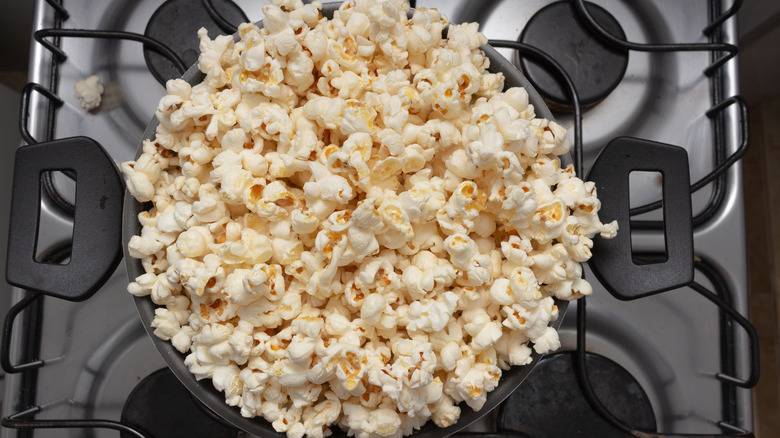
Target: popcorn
[370, 423]
[465, 255]
[428, 275]
[243, 286]
[547, 342]
[350, 224]
[241, 343]
[321, 415]
[327, 186]
[209, 207]
[194, 242]
[281, 39]
[471, 381]
[138, 183]
[357, 149]
[372, 308]
[252, 248]
[326, 112]
[445, 413]
[89, 92]
[432, 316]
[214, 54]
[226, 379]
[304, 222]
[167, 323]
[514, 346]
[300, 349]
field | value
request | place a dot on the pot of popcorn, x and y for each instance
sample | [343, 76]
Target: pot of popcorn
[345, 222]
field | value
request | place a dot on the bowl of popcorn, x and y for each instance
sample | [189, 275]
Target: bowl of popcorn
[354, 219]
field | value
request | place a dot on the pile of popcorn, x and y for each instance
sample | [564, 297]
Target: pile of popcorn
[350, 223]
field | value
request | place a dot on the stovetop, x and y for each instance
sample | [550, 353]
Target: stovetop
[96, 352]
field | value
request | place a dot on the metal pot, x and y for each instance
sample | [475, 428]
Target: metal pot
[214, 399]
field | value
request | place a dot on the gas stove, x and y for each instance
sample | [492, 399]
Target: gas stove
[673, 362]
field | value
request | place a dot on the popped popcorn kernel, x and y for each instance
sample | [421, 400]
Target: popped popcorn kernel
[89, 92]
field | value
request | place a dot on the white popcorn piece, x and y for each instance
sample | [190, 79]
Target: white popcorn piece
[304, 395]
[198, 278]
[212, 343]
[365, 423]
[327, 186]
[547, 342]
[450, 354]
[317, 418]
[194, 242]
[518, 206]
[465, 204]
[357, 148]
[252, 248]
[241, 343]
[356, 119]
[304, 222]
[138, 183]
[445, 413]
[487, 336]
[300, 349]
[214, 54]
[89, 92]
[465, 255]
[399, 228]
[151, 241]
[372, 308]
[428, 275]
[226, 379]
[209, 207]
[432, 316]
[324, 111]
[170, 222]
[349, 84]
[470, 382]
[167, 323]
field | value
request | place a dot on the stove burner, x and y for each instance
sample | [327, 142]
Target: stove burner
[594, 67]
[550, 403]
[160, 406]
[175, 23]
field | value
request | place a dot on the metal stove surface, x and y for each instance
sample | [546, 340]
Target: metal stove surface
[96, 351]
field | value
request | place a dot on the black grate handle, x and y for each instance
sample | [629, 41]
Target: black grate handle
[612, 260]
[97, 222]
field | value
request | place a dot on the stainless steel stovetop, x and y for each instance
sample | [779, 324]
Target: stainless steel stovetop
[96, 351]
